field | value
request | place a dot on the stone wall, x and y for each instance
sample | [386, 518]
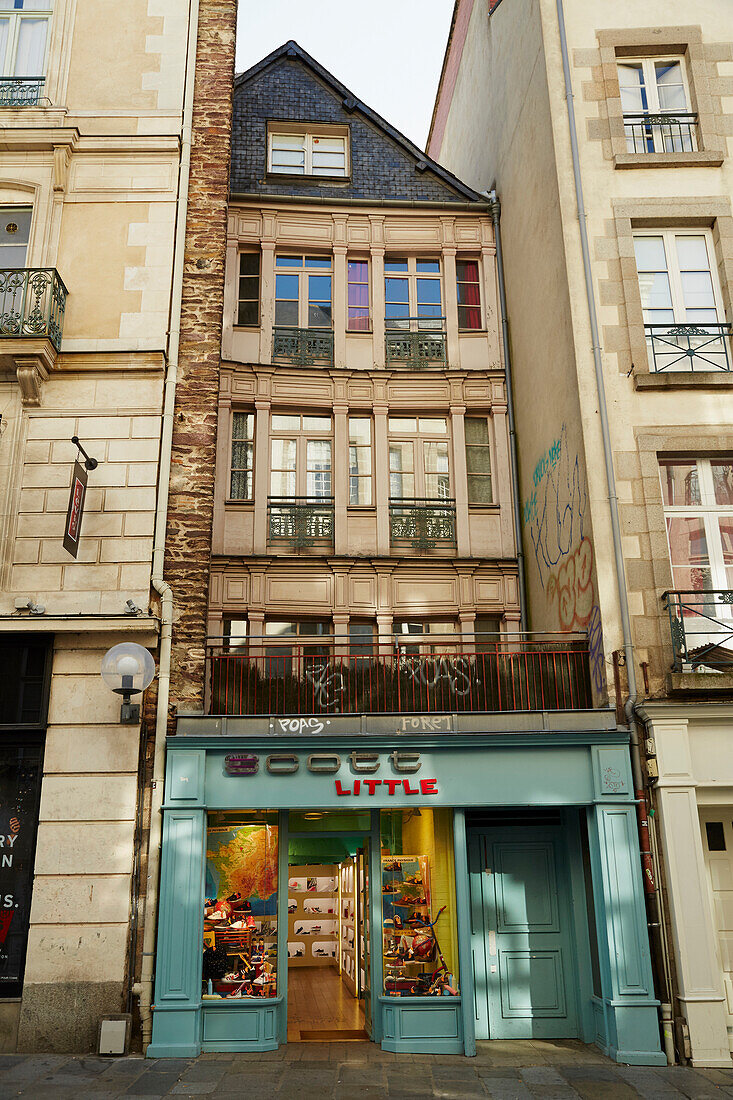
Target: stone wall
[191, 502]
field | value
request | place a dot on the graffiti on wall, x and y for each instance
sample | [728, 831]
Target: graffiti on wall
[555, 509]
[554, 519]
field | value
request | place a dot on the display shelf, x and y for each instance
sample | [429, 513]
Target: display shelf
[409, 951]
[313, 915]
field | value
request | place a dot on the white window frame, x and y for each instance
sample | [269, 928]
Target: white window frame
[16, 17]
[303, 274]
[708, 510]
[416, 440]
[309, 137]
[302, 436]
[669, 237]
[412, 275]
[662, 137]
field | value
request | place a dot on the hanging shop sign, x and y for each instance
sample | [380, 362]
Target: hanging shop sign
[330, 763]
[76, 509]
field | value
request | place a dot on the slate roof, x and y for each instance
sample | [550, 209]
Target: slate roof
[290, 85]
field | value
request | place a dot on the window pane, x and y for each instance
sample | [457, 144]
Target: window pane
[467, 271]
[680, 483]
[288, 141]
[31, 50]
[397, 290]
[283, 454]
[437, 425]
[360, 430]
[286, 313]
[479, 489]
[428, 291]
[243, 426]
[319, 288]
[281, 423]
[282, 483]
[715, 836]
[725, 530]
[358, 294]
[650, 254]
[319, 316]
[317, 423]
[688, 550]
[478, 460]
[247, 314]
[288, 261]
[436, 457]
[249, 263]
[477, 429]
[4, 29]
[240, 906]
[401, 477]
[697, 290]
[277, 629]
[655, 291]
[318, 261]
[633, 92]
[286, 286]
[670, 88]
[318, 472]
[723, 481]
[395, 265]
[425, 267]
[402, 424]
[692, 253]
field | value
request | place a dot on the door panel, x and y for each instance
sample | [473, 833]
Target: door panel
[521, 933]
[717, 844]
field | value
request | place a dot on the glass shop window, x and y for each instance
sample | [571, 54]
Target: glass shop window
[240, 906]
[419, 930]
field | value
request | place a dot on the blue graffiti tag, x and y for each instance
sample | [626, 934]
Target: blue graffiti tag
[595, 649]
[554, 512]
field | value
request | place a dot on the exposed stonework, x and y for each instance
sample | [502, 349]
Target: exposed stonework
[191, 502]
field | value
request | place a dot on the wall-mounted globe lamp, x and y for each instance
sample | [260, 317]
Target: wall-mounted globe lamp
[127, 669]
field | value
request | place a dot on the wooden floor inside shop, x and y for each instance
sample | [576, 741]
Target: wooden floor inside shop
[318, 1001]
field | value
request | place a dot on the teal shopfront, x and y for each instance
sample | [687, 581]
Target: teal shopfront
[434, 886]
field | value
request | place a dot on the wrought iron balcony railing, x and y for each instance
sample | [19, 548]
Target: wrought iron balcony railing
[271, 676]
[689, 347]
[416, 342]
[22, 91]
[304, 347]
[32, 303]
[300, 521]
[664, 132]
[701, 627]
[421, 522]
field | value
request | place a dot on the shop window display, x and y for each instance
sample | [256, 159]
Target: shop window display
[240, 906]
[419, 903]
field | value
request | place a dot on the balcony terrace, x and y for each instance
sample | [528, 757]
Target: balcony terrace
[416, 342]
[425, 675]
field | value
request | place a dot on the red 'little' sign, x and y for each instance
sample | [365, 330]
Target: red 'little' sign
[427, 786]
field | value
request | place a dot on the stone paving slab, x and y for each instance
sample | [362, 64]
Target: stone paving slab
[342, 1071]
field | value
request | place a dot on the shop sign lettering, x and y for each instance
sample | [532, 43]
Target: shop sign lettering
[330, 763]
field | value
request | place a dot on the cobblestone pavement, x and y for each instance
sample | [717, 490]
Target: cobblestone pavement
[349, 1071]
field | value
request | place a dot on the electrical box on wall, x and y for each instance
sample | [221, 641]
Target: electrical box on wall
[114, 1034]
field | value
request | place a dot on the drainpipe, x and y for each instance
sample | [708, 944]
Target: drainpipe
[630, 705]
[495, 208]
[144, 989]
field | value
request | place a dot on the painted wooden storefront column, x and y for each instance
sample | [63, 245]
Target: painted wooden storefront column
[627, 1018]
[463, 920]
[176, 1019]
[693, 928]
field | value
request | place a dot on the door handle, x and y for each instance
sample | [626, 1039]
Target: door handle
[492, 943]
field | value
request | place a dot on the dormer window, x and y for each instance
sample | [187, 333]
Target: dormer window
[299, 152]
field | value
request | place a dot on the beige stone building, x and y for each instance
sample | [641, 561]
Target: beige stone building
[607, 131]
[92, 180]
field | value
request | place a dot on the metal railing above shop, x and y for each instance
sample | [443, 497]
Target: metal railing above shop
[701, 629]
[422, 522]
[689, 347]
[22, 91]
[416, 342]
[303, 347]
[32, 303]
[300, 521]
[425, 674]
[662, 132]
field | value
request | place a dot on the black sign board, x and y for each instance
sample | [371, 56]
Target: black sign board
[20, 782]
[76, 509]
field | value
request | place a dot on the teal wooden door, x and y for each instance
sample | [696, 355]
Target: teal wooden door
[524, 983]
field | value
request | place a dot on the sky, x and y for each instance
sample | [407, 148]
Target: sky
[387, 52]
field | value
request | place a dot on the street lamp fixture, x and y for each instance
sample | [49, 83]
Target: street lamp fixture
[127, 669]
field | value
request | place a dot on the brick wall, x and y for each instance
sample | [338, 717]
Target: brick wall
[188, 542]
[287, 89]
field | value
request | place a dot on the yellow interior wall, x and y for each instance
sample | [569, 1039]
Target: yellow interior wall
[431, 835]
